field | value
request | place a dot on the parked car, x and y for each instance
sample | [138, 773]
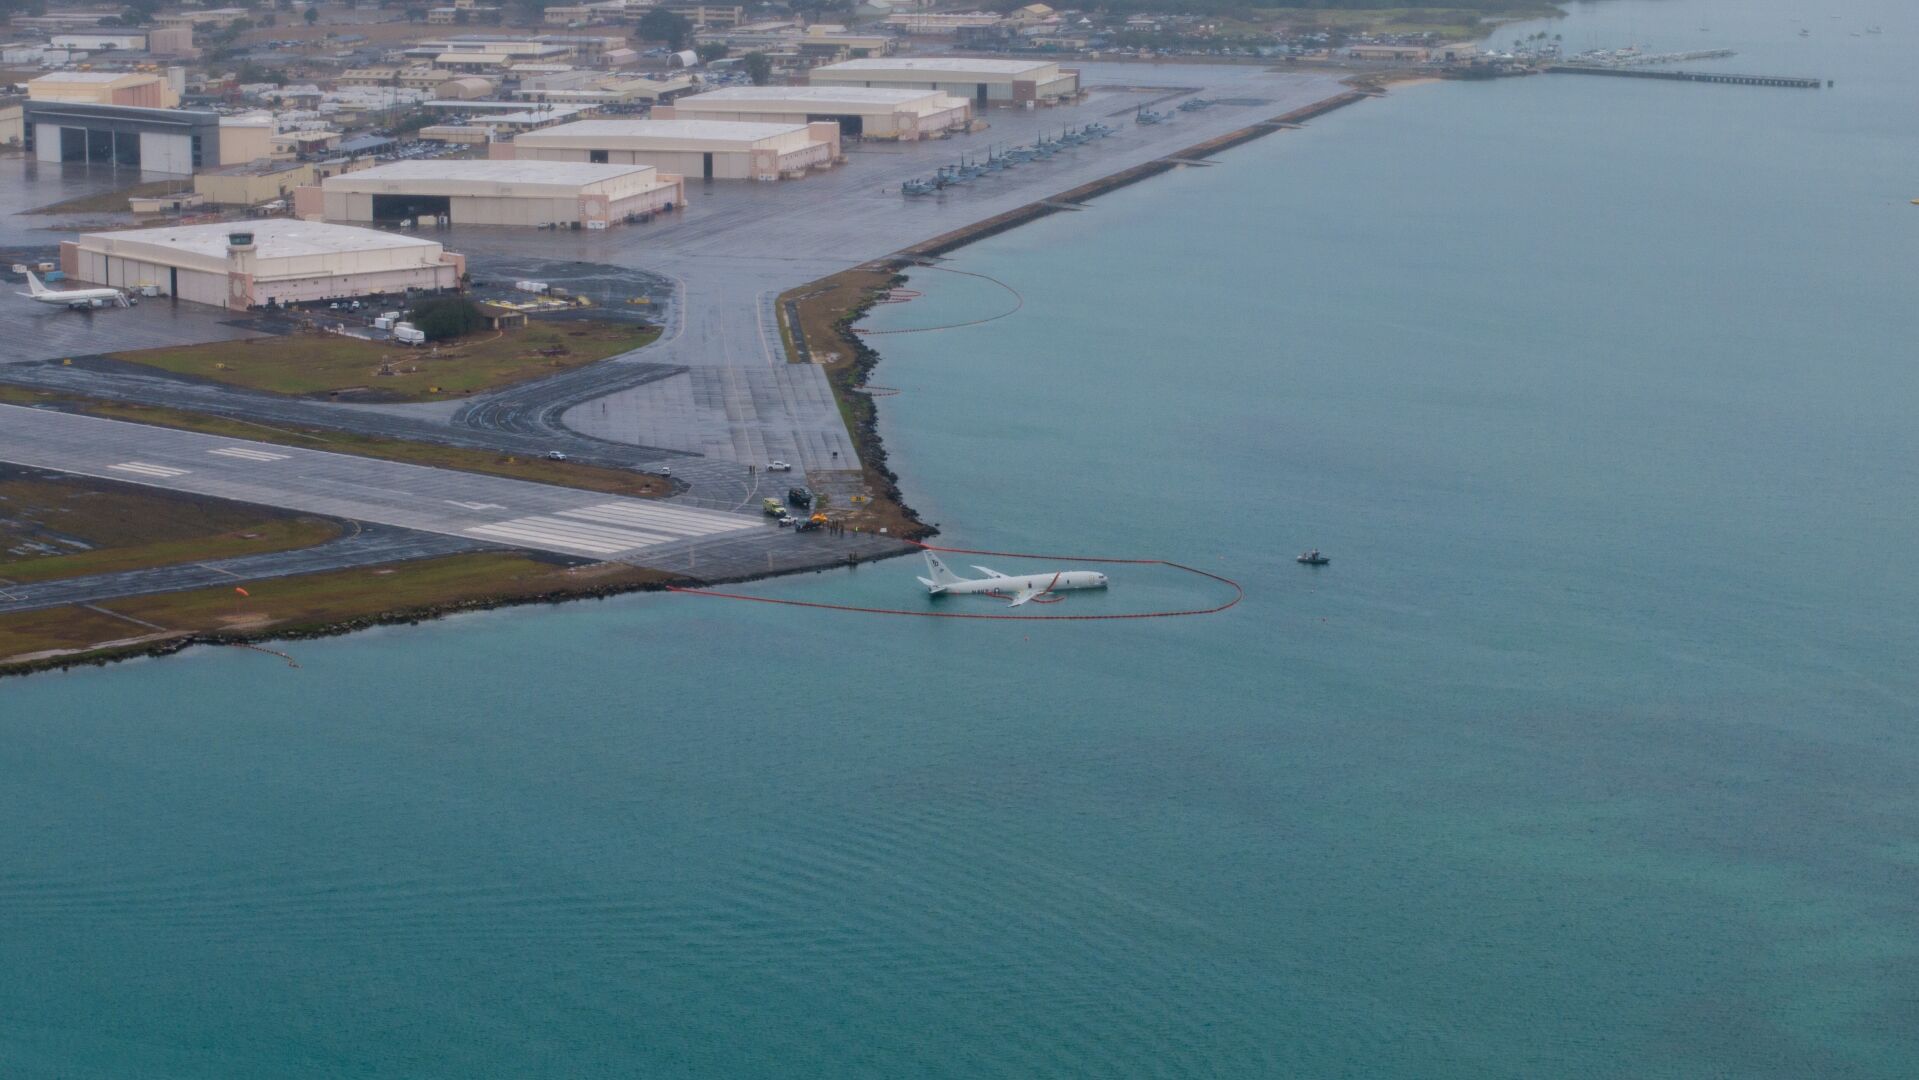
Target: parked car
[779, 466]
[555, 455]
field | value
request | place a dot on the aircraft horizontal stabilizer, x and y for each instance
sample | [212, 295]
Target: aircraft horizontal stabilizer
[989, 571]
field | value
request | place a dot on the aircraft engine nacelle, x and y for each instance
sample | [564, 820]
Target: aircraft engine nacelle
[97, 302]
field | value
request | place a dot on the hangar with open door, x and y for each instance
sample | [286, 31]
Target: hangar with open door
[392, 209]
[151, 140]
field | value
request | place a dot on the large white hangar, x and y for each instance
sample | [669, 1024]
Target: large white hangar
[861, 111]
[240, 265]
[983, 82]
[709, 149]
[568, 193]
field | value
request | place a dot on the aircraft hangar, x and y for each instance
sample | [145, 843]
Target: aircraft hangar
[860, 111]
[240, 265]
[510, 192]
[706, 149]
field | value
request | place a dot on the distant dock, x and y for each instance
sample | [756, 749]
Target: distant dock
[1687, 76]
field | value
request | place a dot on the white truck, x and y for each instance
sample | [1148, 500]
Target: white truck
[408, 334]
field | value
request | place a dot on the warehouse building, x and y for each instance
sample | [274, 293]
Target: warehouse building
[241, 266]
[526, 193]
[135, 88]
[709, 149]
[99, 41]
[252, 183]
[983, 82]
[869, 112]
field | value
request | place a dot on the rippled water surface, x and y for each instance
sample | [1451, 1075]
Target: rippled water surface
[1591, 754]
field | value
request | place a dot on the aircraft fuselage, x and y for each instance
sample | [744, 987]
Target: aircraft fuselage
[1057, 581]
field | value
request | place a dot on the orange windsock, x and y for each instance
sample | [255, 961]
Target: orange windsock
[241, 591]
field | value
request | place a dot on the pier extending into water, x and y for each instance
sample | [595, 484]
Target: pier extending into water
[1688, 76]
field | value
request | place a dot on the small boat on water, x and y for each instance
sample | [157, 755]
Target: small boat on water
[1312, 558]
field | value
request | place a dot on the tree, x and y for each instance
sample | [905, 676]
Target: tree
[659, 24]
[443, 317]
[711, 51]
[312, 15]
[415, 14]
[759, 68]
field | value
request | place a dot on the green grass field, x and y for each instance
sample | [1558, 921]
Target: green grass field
[62, 528]
[308, 364]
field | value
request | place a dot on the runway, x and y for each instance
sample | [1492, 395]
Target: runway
[469, 506]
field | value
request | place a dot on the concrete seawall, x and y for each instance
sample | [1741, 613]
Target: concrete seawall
[980, 230]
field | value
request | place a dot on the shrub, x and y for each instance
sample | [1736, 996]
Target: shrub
[444, 317]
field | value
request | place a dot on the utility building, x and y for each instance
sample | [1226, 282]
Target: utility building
[572, 194]
[243, 265]
[709, 149]
[870, 112]
[983, 82]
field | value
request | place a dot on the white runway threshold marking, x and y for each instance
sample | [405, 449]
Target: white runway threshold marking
[609, 528]
[142, 468]
[247, 453]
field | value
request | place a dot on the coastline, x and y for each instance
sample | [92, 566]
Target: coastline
[846, 375]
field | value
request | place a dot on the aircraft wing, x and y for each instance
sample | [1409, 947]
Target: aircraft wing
[989, 571]
[1023, 595]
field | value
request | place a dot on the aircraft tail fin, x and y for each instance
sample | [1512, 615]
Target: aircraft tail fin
[34, 288]
[942, 577]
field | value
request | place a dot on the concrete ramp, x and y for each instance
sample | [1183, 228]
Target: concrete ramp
[748, 415]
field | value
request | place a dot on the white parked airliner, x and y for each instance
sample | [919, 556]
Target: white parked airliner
[1019, 590]
[78, 299]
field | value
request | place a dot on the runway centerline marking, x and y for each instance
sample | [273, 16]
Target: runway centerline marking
[144, 468]
[248, 454]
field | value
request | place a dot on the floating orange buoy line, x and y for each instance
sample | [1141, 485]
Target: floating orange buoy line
[1238, 592]
[291, 662]
[1018, 302]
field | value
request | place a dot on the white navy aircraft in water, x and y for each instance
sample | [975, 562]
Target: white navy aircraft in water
[78, 299]
[1019, 590]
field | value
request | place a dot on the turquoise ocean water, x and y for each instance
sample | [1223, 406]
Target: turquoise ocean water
[1592, 753]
